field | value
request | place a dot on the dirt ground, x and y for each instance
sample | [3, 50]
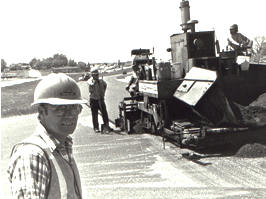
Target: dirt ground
[255, 113]
[260, 101]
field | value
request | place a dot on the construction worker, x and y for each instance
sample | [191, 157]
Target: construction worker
[132, 86]
[97, 88]
[42, 166]
[238, 42]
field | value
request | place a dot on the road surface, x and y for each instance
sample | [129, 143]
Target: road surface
[118, 165]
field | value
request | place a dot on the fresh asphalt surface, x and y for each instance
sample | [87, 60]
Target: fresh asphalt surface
[118, 165]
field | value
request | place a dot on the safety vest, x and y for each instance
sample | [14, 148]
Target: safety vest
[64, 179]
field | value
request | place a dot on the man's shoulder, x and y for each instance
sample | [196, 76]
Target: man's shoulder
[27, 152]
[102, 81]
[25, 149]
[239, 35]
[33, 145]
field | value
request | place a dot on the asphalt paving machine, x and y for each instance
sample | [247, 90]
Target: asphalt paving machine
[198, 98]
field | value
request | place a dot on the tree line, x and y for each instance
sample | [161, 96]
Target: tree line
[57, 60]
[259, 49]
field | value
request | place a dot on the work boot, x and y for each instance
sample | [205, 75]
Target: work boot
[96, 130]
[108, 128]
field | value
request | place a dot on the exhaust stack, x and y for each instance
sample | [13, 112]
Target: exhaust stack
[187, 24]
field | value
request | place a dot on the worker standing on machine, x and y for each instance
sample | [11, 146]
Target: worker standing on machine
[239, 42]
[132, 86]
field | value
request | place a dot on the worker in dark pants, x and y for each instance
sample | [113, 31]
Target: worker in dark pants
[97, 88]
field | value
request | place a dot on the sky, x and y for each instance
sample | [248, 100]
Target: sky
[107, 30]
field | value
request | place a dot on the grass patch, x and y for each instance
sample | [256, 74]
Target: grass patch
[17, 99]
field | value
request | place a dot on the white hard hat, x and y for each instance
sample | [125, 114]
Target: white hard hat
[95, 70]
[58, 89]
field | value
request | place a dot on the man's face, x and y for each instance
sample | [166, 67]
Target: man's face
[232, 31]
[95, 76]
[60, 120]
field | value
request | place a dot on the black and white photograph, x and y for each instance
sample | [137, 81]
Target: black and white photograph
[143, 99]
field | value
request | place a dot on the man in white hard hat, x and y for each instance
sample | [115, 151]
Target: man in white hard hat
[97, 88]
[42, 166]
[237, 41]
